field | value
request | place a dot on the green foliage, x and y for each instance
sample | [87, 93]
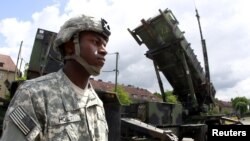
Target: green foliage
[24, 76]
[123, 96]
[170, 97]
[240, 104]
[7, 95]
[226, 111]
[239, 99]
[241, 107]
[157, 94]
[214, 110]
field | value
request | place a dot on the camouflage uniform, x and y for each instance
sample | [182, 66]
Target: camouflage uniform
[48, 108]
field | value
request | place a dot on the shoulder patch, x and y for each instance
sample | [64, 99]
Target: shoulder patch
[22, 120]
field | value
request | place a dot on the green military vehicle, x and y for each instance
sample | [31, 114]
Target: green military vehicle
[173, 56]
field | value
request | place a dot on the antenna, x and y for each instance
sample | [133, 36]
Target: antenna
[204, 48]
[18, 56]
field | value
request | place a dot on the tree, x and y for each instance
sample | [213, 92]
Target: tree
[240, 104]
[24, 76]
[7, 95]
[241, 107]
[157, 94]
[248, 105]
[123, 96]
[214, 110]
[226, 111]
[170, 97]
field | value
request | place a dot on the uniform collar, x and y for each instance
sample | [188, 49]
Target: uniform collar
[69, 96]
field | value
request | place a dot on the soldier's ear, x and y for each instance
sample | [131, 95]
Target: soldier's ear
[69, 48]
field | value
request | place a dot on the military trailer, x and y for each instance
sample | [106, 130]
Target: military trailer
[173, 56]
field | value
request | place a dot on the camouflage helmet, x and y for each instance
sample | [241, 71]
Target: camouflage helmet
[80, 23]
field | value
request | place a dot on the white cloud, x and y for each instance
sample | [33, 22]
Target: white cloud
[241, 89]
[49, 18]
[14, 32]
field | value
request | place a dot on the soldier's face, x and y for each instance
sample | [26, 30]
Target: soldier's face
[93, 48]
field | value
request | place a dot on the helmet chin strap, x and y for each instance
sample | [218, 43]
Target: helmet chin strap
[92, 70]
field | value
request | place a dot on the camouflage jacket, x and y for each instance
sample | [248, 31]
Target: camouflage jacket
[48, 109]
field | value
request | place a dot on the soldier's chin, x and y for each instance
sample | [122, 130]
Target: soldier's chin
[100, 65]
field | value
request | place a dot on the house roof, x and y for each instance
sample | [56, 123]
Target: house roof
[101, 85]
[8, 64]
[224, 103]
[131, 90]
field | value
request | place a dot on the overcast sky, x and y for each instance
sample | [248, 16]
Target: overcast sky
[225, 25]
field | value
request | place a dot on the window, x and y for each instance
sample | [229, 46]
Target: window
[134, 95]
[1, 64]
[144, 97]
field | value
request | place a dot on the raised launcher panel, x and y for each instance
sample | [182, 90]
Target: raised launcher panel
[43, 59]
[167, 47]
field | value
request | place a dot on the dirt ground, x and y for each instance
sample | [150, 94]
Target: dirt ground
[187, 139]
[245, 120]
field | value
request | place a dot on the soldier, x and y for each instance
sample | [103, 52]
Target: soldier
[62, 106]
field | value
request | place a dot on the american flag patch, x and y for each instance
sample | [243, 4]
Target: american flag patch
[22, 120]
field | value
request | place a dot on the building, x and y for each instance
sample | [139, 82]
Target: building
[225, 107]
[7, 73]
[136, 94]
